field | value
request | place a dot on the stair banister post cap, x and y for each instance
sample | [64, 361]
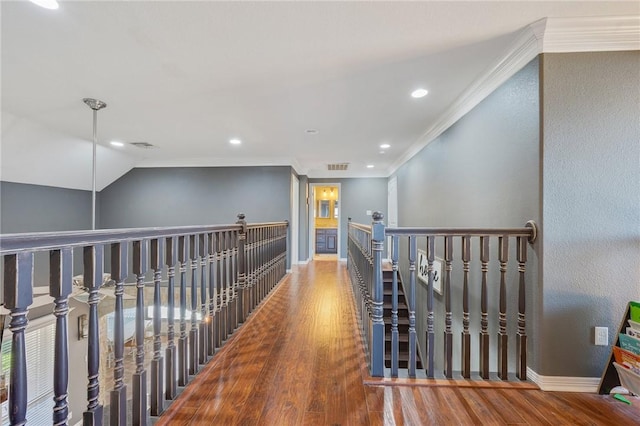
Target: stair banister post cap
[241, 216]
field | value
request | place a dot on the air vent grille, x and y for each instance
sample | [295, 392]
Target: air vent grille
[143, 145]
[338, 166]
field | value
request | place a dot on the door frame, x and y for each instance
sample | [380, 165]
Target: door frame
[311, 218]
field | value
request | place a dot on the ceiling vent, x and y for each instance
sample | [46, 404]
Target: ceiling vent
[338, 166]
[143, 145]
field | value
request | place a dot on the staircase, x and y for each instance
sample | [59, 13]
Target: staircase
[403, 321]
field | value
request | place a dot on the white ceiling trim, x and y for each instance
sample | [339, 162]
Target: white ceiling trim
[614, 33]
[549, 35]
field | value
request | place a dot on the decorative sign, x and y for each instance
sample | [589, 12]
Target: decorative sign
[423, 271]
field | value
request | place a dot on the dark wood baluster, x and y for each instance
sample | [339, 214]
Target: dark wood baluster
[171, 258]
[250, 266]
[118, 396]
[254, 267]
[140, 266]
[219, 294]
[93, 267]
[193, 332]
[448, 316]
[233, 253]
[203, 344]
[521, 338]
[157, 379]
[183, 366]
[431, 335]
[261, 264]
[411, 304]
[18, 295]
[466, 336]
[229, 277]
[60, 287]
[484, 315]
[224, 289]
[211, 348]
[503, 357]
[395, 339]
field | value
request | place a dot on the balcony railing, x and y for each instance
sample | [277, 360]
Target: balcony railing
[223, 272]
[462, 295]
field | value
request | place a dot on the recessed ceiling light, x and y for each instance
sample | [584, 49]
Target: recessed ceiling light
[385, 146]
[116, 143]
[369, 166]
[47, 4]
[311, 131]
[419, 93]
[235, 141]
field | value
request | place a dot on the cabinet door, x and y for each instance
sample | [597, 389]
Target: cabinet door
[332, 243]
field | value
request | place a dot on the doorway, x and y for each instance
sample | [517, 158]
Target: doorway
[324, 218]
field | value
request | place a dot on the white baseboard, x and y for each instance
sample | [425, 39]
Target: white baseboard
[343, 259]
[302, 262]
[288, 271]
[564, 384]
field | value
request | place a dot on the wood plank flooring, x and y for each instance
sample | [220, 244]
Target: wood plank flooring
[299, 361]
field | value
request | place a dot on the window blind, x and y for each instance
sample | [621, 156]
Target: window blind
[39, 344]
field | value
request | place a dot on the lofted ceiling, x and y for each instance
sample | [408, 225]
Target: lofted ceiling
[189, 76]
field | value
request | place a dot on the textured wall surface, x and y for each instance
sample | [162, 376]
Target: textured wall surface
[195, 196]
[482, 172]
[590, 204]
[357, 196]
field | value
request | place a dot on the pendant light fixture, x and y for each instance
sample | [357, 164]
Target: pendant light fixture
[96, 105]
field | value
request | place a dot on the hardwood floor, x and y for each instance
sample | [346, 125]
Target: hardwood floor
[299, 361]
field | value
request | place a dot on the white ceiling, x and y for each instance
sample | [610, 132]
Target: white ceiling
[188, 76]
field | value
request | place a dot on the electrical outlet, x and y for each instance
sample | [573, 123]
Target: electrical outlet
[602, 336]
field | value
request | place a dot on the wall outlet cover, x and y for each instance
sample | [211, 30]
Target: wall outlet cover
[601, 336]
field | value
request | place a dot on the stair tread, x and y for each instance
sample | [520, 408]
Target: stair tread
[402, 337]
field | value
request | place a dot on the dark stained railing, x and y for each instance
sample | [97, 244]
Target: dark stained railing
[237, 266]
[366, 266]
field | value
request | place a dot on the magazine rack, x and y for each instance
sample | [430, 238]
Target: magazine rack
[610, 378]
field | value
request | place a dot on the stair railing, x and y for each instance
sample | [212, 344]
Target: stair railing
[426, 249]
[237, 266]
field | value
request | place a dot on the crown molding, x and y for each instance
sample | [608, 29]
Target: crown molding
[525, 47]
[548, 35]
[591, 34]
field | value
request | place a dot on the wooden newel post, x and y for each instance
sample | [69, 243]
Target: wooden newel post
[377, 334]
[242, 268]
[18, 295]
[93, 262]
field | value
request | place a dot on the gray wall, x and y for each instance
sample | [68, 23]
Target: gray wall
[357, 196]
[481, 172]
[35, 208]
[196, 196]
[590, 204]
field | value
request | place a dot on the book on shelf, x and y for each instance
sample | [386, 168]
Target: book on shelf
[627, 359]
[630, 343]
